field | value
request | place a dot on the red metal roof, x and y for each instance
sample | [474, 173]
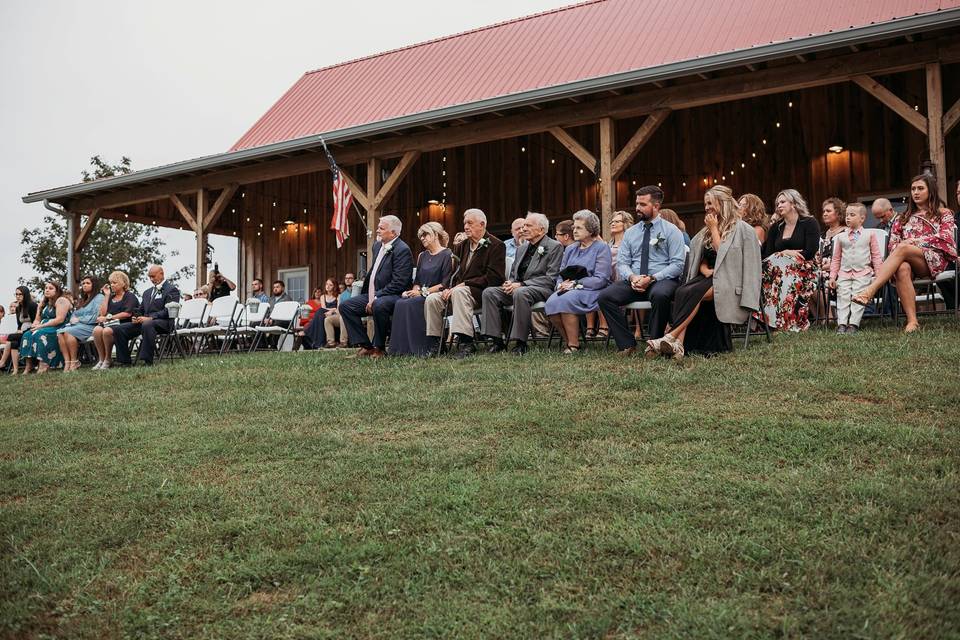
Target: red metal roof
[588, 40]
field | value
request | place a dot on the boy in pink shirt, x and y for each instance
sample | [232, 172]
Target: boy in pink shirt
[856, 258]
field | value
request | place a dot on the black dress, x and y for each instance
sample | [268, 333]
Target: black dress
[705, 334]
[408, 333]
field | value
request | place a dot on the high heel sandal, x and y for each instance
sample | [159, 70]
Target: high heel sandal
[603, 333]
[653, 349]
[571, 350]
[590, 333]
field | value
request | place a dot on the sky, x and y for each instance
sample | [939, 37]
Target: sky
[166, 81]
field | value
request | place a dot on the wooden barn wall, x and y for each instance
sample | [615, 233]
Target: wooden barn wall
[535, 173]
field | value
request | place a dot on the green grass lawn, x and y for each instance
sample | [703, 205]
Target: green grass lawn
[807, 488]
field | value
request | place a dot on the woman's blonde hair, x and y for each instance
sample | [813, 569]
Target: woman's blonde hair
[727, 212]
[436, 229]
[797, 200]
[753, 211]
[627, 218]
[122, 277]
[671, 216]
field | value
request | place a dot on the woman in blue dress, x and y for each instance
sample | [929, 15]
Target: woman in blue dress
[82, 322]
[39, 345]
[584, 271]
[408, 333]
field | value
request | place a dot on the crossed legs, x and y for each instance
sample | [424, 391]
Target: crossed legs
[904, 264]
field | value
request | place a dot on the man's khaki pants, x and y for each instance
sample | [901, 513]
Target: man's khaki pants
[461, 306]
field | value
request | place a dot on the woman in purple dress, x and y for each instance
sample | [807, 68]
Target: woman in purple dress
[584, 271]
[408, 333]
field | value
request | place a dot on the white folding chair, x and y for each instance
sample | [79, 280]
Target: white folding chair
[282, 312]
[248, 321]
[8, 325]
[221, 319]
[193, 315]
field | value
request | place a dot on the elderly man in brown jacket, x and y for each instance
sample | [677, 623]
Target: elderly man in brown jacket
[480, 260]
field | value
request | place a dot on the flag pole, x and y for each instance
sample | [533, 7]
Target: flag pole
[333, 165]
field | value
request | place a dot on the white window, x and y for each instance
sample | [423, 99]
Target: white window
[297, 282]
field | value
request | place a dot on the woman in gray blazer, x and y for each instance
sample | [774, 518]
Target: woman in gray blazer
[722, 284]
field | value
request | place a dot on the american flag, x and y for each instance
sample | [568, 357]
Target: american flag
[342, 200]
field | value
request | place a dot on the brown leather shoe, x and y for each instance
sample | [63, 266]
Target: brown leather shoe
[376, 354]
[363, 352]
[626, 353]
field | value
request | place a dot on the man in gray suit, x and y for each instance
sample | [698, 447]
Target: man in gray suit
[531, 280]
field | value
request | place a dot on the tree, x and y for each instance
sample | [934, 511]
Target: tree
[113, 245]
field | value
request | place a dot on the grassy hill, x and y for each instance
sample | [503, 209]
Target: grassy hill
[804, 488]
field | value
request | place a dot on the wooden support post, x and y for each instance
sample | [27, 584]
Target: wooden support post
[893, 101]
[574, 147]
[951, 118]
[202, 203]
[607, 184]
[396, 177]
[72, 268]
[373, 215]
[640, 138]
[935, 132]
[360, 195]
[213, 216]
[88, 226]
[185, 212]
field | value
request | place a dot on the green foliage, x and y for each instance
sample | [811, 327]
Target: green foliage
[113, 245]
[805, 489]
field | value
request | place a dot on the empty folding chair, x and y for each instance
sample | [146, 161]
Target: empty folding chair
[221, 319]
[283, 317]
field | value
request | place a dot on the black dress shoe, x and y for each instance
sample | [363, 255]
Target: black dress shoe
[497, 347]
[519, 349]
[466, 350]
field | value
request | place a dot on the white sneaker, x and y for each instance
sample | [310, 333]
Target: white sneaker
[97, 366]
[104, 366]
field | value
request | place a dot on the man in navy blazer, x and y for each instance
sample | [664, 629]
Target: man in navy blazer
[390, 275]
[149, 319]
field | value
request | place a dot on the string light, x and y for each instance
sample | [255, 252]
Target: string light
[778, 125]
[790, 104]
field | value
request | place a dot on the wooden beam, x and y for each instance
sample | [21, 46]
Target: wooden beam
[893, 101]
[360, 195]
[574, 147]
[396, 177]
[202, 206]
[751, 67]
[184, 211]
[935, 133]
[608, 182]
[951, 118]
[636, 142]
[220, 205]
[373, 214]
[816, 73]
[84, 235]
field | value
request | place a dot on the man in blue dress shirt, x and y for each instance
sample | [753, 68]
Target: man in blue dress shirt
[650, 261]
[513, 243]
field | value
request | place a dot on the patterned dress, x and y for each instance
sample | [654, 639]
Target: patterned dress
[789, 285]
[935, 238]
[42, 343]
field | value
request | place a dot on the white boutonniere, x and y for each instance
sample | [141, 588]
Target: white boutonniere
[541, 250]
[483, 242]
[578, 286]
[387, 249]
[424, 291]
[658, 240]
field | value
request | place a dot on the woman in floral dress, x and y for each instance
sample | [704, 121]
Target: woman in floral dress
[39, 345]
[922, 245]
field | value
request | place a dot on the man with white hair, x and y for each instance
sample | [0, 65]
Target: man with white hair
[391, 275]
[883, 211]
[531, 280]
[480, 263]
[150, 318]
[516, 238]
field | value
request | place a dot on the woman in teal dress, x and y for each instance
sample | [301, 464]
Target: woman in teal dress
[39, 345]
[82, 322]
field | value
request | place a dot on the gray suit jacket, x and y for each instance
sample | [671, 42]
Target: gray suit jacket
[544, 266]
[737, 274]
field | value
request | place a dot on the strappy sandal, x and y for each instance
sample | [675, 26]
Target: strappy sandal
[653, 349]
[603, 332]
[591, 333]
[571, 350]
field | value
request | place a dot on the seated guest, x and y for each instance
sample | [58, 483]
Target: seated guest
[650, 261]
[346, 289]
[39, 343]
[480, 264]
[531, 280]
[24, 308]
[833, 214]
[584, 271]
[922, 245]
[388, 278]
[619, 223]
[408, 335]
[563, 233]
[754, 214]
[722, 286]
[202, 293]
[789, 268]
[279, 291]
[150, 319]
[671, 216]
[81, 324]
[256, 290]
[118, 306]
[883, 211]
[219, 285]
[323, 303]
[516, 238]
[856, 259]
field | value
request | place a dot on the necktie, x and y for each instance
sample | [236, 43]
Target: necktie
[645, 249]
[371, 290]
